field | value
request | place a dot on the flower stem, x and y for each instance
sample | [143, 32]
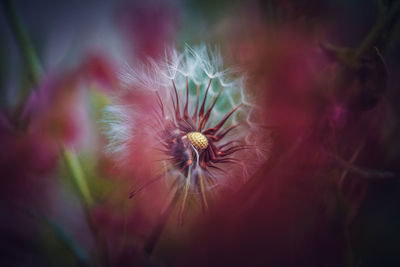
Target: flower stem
[23, 42]
[65, 237]
[78, 175]
[72, 162]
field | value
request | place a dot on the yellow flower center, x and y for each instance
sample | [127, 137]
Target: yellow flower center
[198, 140]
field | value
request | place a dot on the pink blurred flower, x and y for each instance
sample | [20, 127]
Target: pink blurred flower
[99, 70]
[149, 26]
[54, 115]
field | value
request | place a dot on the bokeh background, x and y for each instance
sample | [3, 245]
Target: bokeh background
[325, 74]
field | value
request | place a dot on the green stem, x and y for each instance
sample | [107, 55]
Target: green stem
[23, 41]
[72, 162]
[69, 242]
[78, 175]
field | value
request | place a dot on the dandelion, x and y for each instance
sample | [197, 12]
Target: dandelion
[198, 119]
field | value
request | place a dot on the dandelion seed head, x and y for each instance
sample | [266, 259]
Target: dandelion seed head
[196, 112]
